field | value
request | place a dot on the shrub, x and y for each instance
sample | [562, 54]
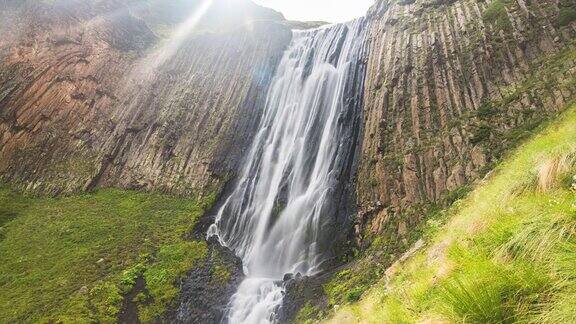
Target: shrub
[354, 295]
[481, 134]
[566, 16]
[497, 16]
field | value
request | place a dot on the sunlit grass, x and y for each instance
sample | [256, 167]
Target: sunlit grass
[505, 254]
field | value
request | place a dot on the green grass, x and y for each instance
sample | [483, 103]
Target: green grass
[73, 259]
[503, 254]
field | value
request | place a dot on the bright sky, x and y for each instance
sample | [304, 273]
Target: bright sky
[322, 10]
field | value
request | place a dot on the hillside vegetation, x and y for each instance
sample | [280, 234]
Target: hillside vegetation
[78, 259]
[505, 253]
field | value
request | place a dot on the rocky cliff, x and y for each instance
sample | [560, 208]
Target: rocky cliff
[450, 85]
[131, 94]
[165, 96]
[111, 93]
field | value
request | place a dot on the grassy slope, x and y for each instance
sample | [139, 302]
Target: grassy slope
[368, 266]
[506, 253]
[73, 258]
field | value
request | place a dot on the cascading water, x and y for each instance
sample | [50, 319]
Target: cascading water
[278, 216]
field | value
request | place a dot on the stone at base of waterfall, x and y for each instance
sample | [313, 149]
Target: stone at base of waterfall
[298, 291]
[204, 298]
[290, 276]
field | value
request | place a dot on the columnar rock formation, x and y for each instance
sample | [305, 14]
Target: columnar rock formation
[166, 95]
[450, 85]
[89, 98]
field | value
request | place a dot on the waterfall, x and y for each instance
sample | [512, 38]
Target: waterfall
[278, 217]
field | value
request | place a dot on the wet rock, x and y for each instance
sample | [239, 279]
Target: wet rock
[288, 277]
[206, 293]
[298, 291]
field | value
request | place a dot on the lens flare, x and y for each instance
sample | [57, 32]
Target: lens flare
[164, 52]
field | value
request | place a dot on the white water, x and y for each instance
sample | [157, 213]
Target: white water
[273, 217]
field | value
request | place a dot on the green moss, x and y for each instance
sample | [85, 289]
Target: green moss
[349, 284]
[140, 298]
[566, 15]
[104, 301]
[481, 133]
[129, 277]
[277, 209]
[221, 272]
[486, 110]
[169, 266]
[496, 15]
[74, 258]
[308, 314]
[11, 204]
[457, 194]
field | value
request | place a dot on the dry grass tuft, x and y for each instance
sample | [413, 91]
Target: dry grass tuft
[551, 170]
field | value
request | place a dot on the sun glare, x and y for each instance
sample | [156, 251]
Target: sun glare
[319, 10]
[171, 46]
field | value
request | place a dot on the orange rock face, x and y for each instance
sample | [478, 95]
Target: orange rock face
[86, 98]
